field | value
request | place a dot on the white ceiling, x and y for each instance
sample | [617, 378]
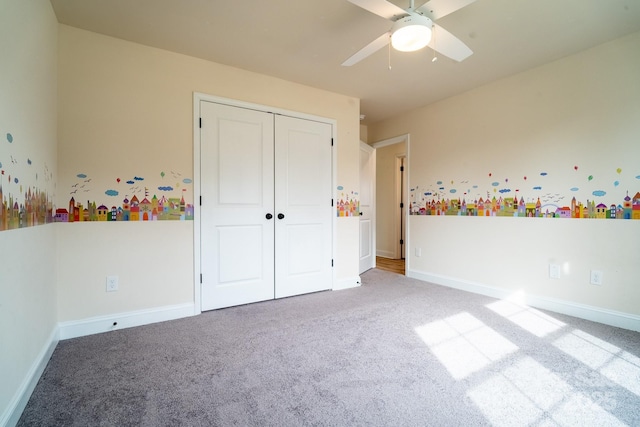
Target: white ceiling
[305, 41]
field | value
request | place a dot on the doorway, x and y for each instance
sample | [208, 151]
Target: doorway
[391, 202]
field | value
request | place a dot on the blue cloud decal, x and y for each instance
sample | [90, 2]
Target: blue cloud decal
[111, 193]
[187, 181]
[340, 187]
[574, 189]
[543, 174]
[505, 190]
[537, 188]
[130, 182]
[137, 178]
[453, 191]
[428, 193]
[81, 175]
[599, 193]
[165, 188]
[15, 180]
[439, 182]
[9, 137]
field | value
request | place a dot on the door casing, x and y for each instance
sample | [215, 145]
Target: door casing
[405, 195]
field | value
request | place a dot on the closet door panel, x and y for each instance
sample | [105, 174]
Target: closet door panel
[237, 239]
[303, 196]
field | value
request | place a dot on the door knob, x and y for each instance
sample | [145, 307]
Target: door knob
[280, 216]
[269, 216]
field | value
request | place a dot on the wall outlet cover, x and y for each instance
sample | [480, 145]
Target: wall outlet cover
[112, 283]
[596, 277]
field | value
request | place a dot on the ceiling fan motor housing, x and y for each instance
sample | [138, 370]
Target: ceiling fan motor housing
[411, 33]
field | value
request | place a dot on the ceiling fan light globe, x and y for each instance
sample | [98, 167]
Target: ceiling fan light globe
[411, 33]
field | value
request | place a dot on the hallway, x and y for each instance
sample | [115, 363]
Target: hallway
[388, 264]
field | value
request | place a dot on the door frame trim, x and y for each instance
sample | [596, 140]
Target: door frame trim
[199, 97]
[406, 187]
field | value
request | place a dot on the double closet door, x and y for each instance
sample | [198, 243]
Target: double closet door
[266, 213]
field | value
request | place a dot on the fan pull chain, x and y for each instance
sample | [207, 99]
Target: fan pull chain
[433, 30]
[389, 52]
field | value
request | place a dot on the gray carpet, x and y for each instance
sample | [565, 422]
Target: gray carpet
[394, 352]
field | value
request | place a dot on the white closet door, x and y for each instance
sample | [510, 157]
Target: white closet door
[237, 239]
[303, 206]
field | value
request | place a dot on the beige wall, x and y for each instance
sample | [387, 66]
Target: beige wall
[582, 110]
[28, 37]
[364, 134]
[126, 107]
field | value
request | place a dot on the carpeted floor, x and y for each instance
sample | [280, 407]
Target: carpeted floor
[393, 352]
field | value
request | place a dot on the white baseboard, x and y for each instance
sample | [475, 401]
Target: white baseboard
[596, 314]
[385, 254]
[350, 282]
[112, 322]
[21, 398]
[78, 328]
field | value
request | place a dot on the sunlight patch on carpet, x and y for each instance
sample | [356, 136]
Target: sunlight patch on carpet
[611, 362]
[463, 344]
[529, 319]
[527, 393]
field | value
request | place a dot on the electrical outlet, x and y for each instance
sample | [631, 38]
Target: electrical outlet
[418, 252]
[112, 283]
[596, 277]
[554, 271]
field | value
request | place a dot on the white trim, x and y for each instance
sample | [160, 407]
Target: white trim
[197, 291]
[99, 324]
[407, 210]
[582, 311]
[391, 141]
[386, 254]
[199, 97]
[348, 283]
[20, 399]
[407, 165]
[334, 202]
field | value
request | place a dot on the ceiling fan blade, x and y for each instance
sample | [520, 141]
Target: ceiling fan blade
[449, 45]
[381, 8]
[369, 49]
[436, 9]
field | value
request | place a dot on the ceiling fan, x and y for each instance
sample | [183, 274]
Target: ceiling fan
[412, 29]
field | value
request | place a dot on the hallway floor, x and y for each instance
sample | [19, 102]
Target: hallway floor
[388, 264]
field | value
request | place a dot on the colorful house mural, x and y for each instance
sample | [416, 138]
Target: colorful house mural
[35, 209]
[348, 203]
[514, 207]
[524, 197]
[131, 210]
